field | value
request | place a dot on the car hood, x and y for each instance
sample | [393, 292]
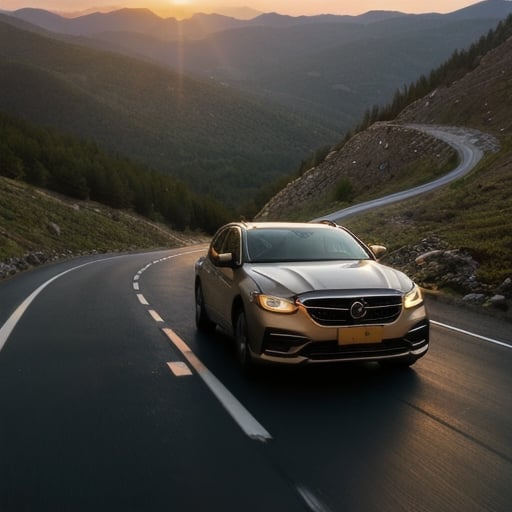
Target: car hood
[289, 279]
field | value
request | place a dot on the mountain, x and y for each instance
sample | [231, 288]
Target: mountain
[218, 140]
[141, 21]
[327, 67]
[240, 13]
[466, 227]
[486, 9]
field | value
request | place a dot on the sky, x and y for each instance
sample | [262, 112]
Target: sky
[292, 7]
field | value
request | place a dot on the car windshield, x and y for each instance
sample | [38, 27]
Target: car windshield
[302, 244]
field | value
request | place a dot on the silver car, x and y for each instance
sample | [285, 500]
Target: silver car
[297, 293]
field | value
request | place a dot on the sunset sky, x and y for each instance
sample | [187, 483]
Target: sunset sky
[293, 7]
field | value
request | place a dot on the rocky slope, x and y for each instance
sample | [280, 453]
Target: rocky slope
[370, 163]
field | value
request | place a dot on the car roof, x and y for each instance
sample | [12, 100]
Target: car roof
[289, 225]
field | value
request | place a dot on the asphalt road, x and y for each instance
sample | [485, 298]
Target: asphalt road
[470, 146]
[92, 417]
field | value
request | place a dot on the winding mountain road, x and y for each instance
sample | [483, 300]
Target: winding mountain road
[110, 399]
[470, 146]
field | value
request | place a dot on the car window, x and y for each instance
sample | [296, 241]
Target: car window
[231, 243]
[217, 243]
[302, 244]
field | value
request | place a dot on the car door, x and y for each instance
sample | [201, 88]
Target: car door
[219, 287]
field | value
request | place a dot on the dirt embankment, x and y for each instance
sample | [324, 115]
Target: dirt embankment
[370, 163]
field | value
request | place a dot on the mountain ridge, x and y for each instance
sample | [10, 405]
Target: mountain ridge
[289, 60]
[149, 22]
[176, 124]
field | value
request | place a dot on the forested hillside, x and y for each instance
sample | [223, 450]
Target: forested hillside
[81, 170]
[215, 139]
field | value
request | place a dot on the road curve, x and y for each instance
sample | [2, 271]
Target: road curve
[470, 146]
[94, 415]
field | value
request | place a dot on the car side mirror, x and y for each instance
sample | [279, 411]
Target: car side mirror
[378, 250]
[224, 259]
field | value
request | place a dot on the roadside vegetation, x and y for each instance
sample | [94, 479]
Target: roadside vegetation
[33, 220]
[81, 170]
[473, 214]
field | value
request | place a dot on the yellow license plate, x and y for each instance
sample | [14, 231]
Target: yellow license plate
[360, 335]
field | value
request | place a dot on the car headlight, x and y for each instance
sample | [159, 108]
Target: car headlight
[274, 304]
[413, 298]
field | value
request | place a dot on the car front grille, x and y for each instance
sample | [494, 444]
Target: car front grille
[330, 350]
[353, 310]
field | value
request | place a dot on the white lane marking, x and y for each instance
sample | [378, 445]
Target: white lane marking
[142, 299]
[237, 411]
[136, 286]
[136, 276]
[311, 500]
[472, 334]
[155, 316]
[179, 368]
[11, 322]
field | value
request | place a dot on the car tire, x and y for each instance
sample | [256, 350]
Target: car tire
[203, 322]
[241, 341]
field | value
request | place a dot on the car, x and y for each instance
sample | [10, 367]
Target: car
[305, 293]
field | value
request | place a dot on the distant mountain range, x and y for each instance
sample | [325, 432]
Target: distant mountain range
[218, 140]
[328, 67]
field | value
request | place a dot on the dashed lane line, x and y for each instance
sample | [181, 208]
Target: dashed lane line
[142, 299]
[246, 421]
[155, 316]
[179, 368]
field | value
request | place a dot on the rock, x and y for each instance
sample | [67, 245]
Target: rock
[420, 260]
[435, 266]
[505, 288]
[32, 259]
[54, 228]
[499, 302]
[474, 298]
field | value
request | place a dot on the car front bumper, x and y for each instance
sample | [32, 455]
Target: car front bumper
[295, 339]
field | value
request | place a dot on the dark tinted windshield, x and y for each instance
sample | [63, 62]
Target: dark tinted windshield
[302, 244]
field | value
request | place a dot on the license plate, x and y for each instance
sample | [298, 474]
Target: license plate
[360, 335]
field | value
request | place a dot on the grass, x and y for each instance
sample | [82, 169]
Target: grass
[27, 215]
[474, 213]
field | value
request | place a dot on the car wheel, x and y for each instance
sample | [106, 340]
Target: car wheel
[241, 341]
[203, 323]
